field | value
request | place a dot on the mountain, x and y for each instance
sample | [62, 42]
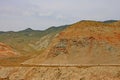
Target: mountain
[1, 32]
[85, 42]
[110, 21]
[20, 40]
[31, 43]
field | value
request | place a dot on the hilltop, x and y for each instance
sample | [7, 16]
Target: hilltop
[60, 44]
[21, 41]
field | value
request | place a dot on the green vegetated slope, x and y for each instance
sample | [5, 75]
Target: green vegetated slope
[110, 21]
[22, 40]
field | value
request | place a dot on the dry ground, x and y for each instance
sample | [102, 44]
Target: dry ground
[60, 73]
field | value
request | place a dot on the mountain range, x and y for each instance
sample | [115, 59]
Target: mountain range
[82, 39]
[28, 43]
[84, 43]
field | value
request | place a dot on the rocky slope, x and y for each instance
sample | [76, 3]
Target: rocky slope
[28, 43]
[85, 42]
[7, 51]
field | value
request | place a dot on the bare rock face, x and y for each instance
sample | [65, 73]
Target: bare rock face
[85, 42]
[6, 51]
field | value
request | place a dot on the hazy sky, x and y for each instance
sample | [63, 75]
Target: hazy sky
[41, 14]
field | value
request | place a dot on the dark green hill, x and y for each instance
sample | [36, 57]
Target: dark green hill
[110, 21]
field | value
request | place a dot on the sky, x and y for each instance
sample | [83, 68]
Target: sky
[18, 15]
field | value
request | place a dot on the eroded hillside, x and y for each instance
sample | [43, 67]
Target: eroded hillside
[23, 41]
[7, 51]
[85, 42]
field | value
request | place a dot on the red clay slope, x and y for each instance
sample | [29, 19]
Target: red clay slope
[6, 51]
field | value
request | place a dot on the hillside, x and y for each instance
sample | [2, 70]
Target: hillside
[28, 43]
[7, 51]
[85, 42]
[22, 40]
[110, 21]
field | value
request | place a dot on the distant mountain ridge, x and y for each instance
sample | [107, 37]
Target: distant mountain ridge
[21, 39]
[110, 21]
